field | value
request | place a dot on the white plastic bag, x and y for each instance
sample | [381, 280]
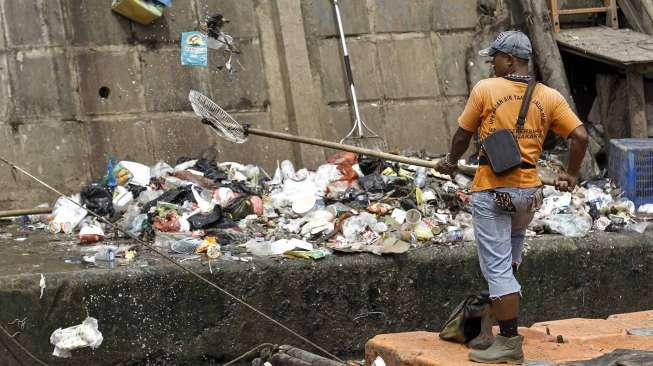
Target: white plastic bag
[571, 225]
[67, 215]
[140, 173]
[78, 336]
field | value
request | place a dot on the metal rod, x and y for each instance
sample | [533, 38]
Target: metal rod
[338, 146]
[350, 76]
[29, 211]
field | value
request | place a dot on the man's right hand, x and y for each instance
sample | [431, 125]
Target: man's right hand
[443, 167]
[565, 182]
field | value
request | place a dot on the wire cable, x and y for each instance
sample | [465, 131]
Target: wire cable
[22, 348]
[175, 263]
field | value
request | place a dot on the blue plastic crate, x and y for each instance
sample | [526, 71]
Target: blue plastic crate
[630, 165]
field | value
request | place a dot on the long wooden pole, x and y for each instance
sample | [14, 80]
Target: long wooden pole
[343, 147]
[30, 211]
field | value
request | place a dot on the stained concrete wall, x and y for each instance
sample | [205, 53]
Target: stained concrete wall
[408, 58]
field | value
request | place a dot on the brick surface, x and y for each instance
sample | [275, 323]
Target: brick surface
[365, 69]
[166, 82]
[40, 83]
[417, 125]
[5, 101]
[118, 71]
[124, 139]
[451, 56]
[247, 88]
[3, 33]
[320, 18]
[174, 136]
[408, 68]
[450, 15]
[402, 16]
[453, 109]
[478, 67]
[182, 17]
[34, 23]
[93, 22]
[49, 150]
[242, 23]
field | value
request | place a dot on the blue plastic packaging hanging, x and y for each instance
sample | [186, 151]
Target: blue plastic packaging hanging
[110, 177]
[166, 3]
[194, 49]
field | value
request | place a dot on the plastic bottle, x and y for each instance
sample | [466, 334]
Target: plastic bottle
[107, 254]
[420, 177]
[186, 245]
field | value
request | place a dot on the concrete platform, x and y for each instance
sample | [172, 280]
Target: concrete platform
[149, 310]
[582, 339]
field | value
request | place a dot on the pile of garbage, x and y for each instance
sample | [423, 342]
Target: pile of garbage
[200, 207]
[597, 205]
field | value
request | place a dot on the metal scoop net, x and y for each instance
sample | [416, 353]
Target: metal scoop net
[220, 121]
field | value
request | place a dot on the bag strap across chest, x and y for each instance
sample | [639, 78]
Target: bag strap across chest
[526, 102]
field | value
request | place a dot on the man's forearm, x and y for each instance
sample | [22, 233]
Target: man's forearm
[577, 146]
[459, 144]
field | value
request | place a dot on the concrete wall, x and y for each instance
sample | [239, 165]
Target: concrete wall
[409, 60]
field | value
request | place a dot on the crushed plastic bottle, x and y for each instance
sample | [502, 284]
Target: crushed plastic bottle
[420, 177]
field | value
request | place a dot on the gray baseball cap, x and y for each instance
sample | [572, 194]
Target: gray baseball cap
[513, 43]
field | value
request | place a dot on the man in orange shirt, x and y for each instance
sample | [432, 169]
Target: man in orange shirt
[503, 205]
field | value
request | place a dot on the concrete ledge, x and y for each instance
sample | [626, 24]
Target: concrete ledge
[583, 339]
[340, 302]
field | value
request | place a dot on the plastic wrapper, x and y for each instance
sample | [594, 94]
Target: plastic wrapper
[266, 248]
[90, 232]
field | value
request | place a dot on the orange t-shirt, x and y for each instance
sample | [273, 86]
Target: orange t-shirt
[494, 104]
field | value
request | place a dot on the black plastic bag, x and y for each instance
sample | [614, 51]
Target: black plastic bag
[240, 207]
[211, 170]
[369, 165]
[202, 221]
[136, 190]
[177, 195]
[373, 183]
[98, 199]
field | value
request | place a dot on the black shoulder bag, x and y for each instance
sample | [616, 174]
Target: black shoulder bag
[501, 147]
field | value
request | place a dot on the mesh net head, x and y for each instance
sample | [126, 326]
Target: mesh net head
[220, 121]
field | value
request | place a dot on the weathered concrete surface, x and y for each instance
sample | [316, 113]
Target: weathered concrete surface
[340, 302]
[583, 339]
